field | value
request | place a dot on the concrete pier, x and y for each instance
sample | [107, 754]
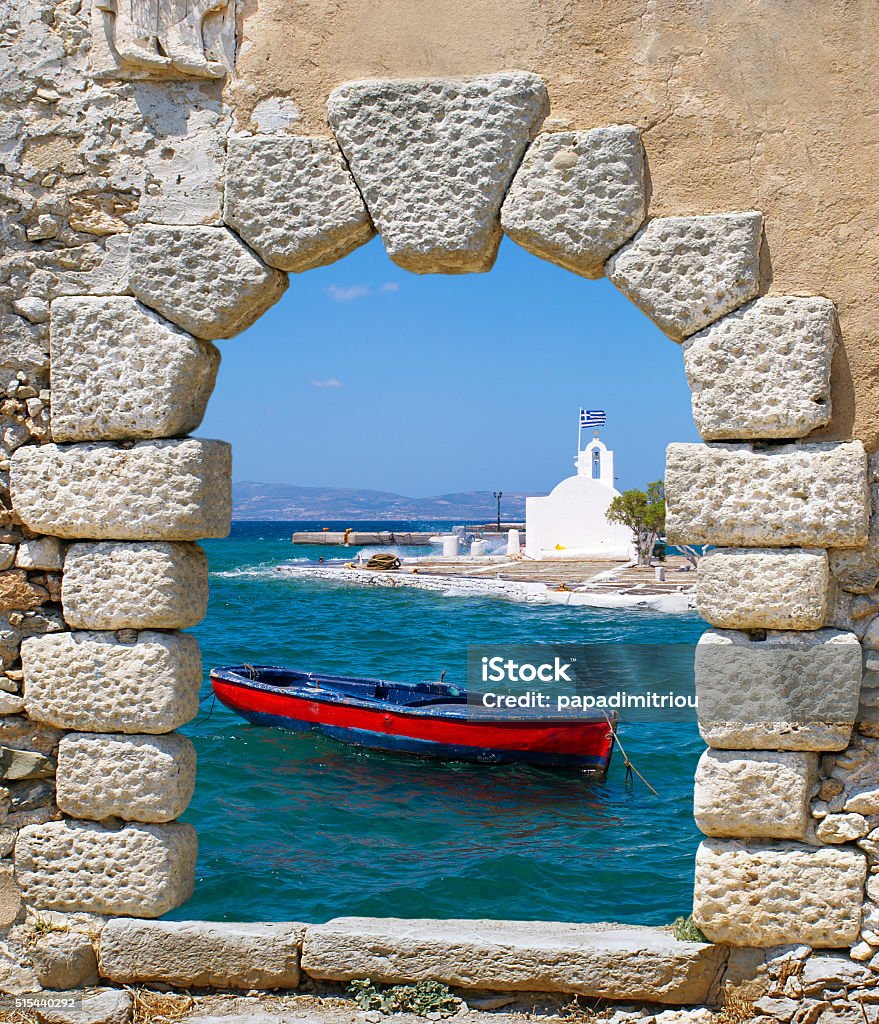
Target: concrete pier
[357, 537]
[401, 538]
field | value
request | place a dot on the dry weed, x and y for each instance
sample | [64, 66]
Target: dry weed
[736, 1008]
[149, 1007]
[578, 1012]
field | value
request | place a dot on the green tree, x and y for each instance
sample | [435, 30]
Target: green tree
[644, 514]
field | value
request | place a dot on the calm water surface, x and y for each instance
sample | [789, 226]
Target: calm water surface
[296, 827]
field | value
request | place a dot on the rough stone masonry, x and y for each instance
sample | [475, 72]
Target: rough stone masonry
[151, 209]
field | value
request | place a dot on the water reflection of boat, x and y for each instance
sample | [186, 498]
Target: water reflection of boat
[429, 719]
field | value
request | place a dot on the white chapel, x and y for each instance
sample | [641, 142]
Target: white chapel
[570, 521]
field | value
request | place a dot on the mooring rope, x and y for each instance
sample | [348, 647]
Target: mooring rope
[629, 766]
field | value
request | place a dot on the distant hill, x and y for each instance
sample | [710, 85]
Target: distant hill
[252, 500]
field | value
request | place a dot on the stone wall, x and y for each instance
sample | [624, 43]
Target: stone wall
[150, 213]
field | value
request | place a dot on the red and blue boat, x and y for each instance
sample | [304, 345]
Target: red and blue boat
[428, 719]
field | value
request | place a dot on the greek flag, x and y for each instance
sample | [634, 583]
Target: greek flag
[592, 418]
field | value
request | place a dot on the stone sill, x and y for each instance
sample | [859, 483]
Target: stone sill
[608, 961]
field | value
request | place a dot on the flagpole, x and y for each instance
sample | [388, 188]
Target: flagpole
[579, 431]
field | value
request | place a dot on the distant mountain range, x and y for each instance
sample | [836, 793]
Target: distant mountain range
[252, 500]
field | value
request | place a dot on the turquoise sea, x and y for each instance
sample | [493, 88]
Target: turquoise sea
[300, 828]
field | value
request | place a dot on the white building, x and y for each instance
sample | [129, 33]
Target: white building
[570, 521]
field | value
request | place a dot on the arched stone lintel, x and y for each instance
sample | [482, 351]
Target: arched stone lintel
[687, 272]
[293, 200]
[204, 279]
[433, 159]
[578, 196]
[763, 371]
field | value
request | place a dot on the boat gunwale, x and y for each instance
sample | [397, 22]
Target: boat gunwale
[232, 677]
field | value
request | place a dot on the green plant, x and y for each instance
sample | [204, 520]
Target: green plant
[42, 926]
[685, 929]
[423, 998]
[644, 514]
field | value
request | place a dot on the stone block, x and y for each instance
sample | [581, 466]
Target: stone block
[433, 159]
[766, 894]
[98, 267]
[96, 683]
[25, 349]
[10, 895]
[16, 765]
[10, 640]
[46, 619]
[578, 196]
[857, 570]
[871, 637]
[768, 588]
[853, 612]
[83, 867]
[29, 795]
[744, 794]
[596, 960]
[136, 778]
[833, 971]
[94, 1006]
[120, 372]
[764, 370]
[64, 960]
[10, 704]
[853, 784]
[204, 279]
[799, 495]
[22, 734]
[17, 976]
[687, 272]
[149, 490]
[40, 553]
[110, 585]
[18, 593]
[791, 691]
[7, 556]
[293, 200]
[842, 828]
[202, 954]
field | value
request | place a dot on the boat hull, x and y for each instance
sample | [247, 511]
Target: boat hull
[582, 744]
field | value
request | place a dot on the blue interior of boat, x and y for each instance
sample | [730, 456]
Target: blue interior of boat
[412, 695]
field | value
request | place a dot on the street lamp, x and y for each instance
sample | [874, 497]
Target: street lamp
[498, 495]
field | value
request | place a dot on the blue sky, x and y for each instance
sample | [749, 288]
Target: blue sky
[367, 376]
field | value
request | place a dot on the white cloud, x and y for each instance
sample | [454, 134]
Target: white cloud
[329, 382]
[338, 293]
[350, 292]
